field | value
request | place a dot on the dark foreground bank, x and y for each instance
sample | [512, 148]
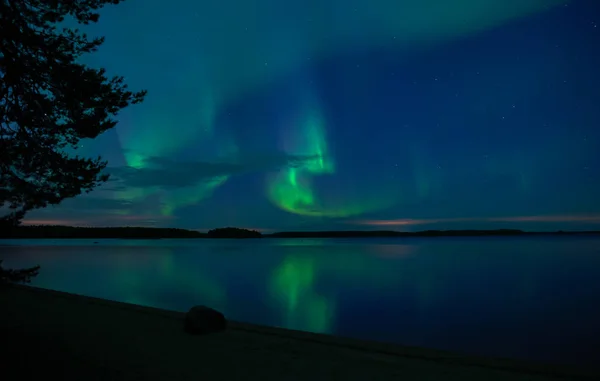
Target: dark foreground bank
[53, 334]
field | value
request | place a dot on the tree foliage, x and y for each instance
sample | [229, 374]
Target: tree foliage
[49, 101]
[17, 276]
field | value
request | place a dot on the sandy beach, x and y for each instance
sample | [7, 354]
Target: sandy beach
[69, 336]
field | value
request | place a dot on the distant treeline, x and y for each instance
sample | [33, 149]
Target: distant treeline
[424, 233]
[233, 233]
[53, 231]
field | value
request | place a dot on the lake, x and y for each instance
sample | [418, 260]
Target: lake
[532, 298]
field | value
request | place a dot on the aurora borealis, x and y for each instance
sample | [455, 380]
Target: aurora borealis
[313, 115]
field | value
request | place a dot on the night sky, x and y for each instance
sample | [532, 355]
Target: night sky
[330, 114]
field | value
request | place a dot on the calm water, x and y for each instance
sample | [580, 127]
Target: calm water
[526, 298]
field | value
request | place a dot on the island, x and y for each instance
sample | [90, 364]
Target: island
[233, 233]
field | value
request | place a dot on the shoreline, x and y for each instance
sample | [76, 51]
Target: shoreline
[69, 317]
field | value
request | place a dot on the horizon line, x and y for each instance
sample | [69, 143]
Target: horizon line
[205, 231]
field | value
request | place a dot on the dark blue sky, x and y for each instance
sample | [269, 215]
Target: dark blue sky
[405, 115]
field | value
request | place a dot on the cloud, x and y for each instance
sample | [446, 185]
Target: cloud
[169, 174]
[91, 203]
[408, 222]
[93, 210]
[99, 220]
[107, 205]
